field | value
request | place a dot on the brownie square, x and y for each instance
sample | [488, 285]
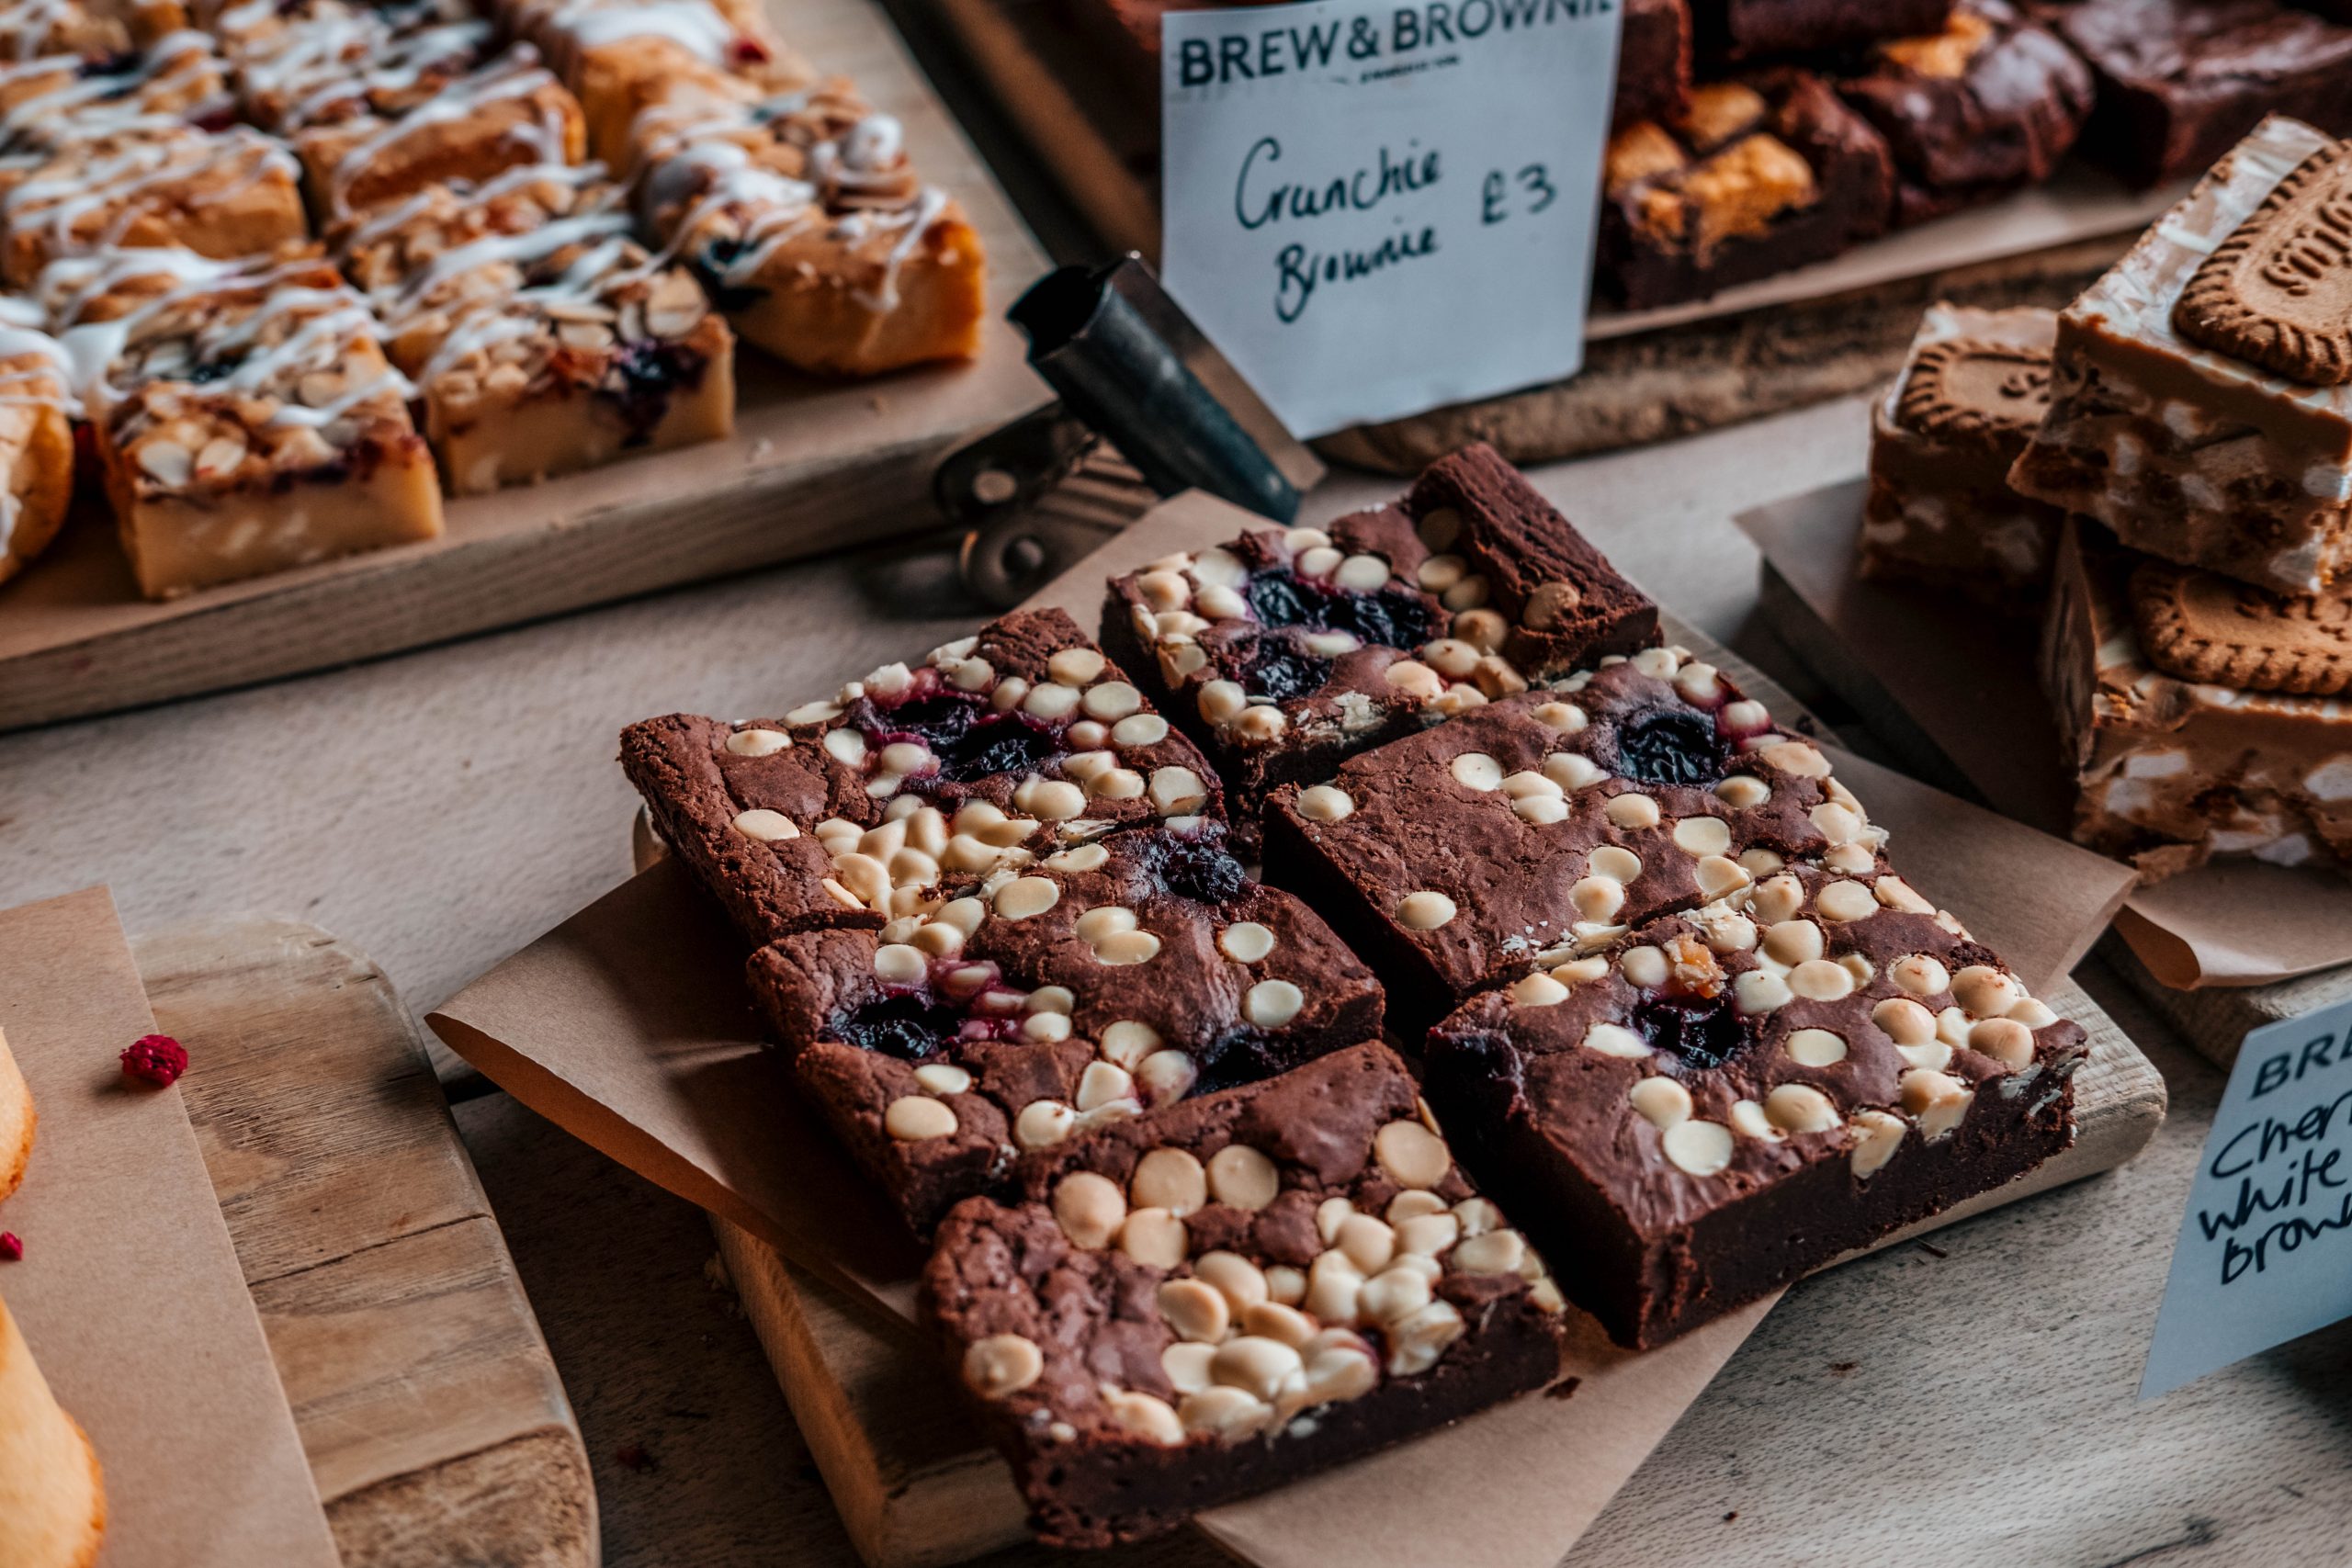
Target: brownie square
[2180, 81]
[1109, 979]
[1736, 1095]
[915, 785]
[1652, 62]
[1991, 103]
[1545, 825]
[1757, 176]
[1744, 29]
[2171, 420]
[1940, 511]
[1284, 652]
[1208, 1301]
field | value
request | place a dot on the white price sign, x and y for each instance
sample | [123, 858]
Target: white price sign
[1374, 207]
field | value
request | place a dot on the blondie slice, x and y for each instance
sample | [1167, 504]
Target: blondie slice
[621, 55]
[232, 193]
[246, 418]
[541, 337]
[37, 409]
[52, 102]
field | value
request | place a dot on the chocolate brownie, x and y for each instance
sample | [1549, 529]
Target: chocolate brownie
[1208, 1301]
[915, 783]
[1991, 103]
[1744, 29]
[1285, 653]
[1942, 441]
[2180, 81]
[1757, 176]
[1652, 62]
[1736, 1095]
[1106, 979]
[1547, 823]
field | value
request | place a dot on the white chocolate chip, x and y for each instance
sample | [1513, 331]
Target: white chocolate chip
[1271, 1004]
[1539, 991]
[1050, 800]
[1425, 911]
[1242, 1178]
[1631, 811]
[1597, 898]
[1325, 803]
[1816, 1048]
[1760, 991]
[1572, 770]
[1985, 991]
[1003, 1365]
[1367, 1243]
[757, 742]
[1219, 566]
[1845, 901]
[1643, 966]
[915, 1118]
[1090, 1208]
[1662, 1101]
[1821, 981]
[1233, 1277]
[1476, 770]
[1127, 1043]
[1147, 1417]
[1166, 1076]
[898, 964]
[1221, 701]
[1260, 724]
[1364, 574]
[1178, 792]
[1492, 1251]
[765, 827]
[1186, 1362]
[1411, 1153]
[1229, 1415]
[1416, 1343]
[1720, 876]
[1102, 1084]
[1197, 1310]
[1938, 1101]
[1698, 1148]
[1154, 1237]
[2005, 1039]
[1616, 1039]
[1921, 974]
[1139, 730]
[1698, 836]
[813, 713]
[942, 1077]
[1024, 896]
[1245, 942]
[1425, 1235]
[1877, 1134]
[1743, 791]
[1171, 1179]
[845, 746]
[1792, 942]
[1800, 1108]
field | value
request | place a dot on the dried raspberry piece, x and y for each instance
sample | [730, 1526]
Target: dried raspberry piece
[155, 1058]
[750, 52]
[11, 1249]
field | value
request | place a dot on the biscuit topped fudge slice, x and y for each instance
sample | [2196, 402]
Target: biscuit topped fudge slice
[1057, 997]
[1940, 512]
[246, 419]
[915, 785]
[1734, 1096]
[508, 112]
[2202, 394]
[1286, 652]
[1754, 177]
[222, 195]
[541, 337]
[1545, 824]
[37, 411]
[804, 216]
[1209, 1300]
[621, 55]
[1992, 102]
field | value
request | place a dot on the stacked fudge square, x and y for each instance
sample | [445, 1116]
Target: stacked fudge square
[300, 267]
[2164, 470]
[1573, 977]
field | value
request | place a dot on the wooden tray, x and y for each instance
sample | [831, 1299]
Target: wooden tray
[916, 1487]
[436, 1425]
[1659, 375]
[813, 465]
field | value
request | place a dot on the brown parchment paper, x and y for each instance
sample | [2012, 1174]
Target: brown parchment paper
[1966, 683]
[628, 1026]
[128, 1291]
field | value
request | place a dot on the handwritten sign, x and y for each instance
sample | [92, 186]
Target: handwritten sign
[1374, 207]
[2264, 1251]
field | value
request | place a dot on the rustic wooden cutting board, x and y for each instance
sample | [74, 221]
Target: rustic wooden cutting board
[436, 1425]
[814, 465]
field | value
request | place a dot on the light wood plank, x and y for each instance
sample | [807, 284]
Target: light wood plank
[435, 1424]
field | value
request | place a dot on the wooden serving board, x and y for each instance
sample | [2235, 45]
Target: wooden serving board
[435, 1422]
[2213, 1018]
[814, 465]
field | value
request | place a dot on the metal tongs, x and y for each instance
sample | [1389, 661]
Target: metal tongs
[1148, 408]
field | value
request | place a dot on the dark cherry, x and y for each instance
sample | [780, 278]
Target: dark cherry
[1283, 674]
[907, 1027]
[1670, 746]
[1390, 618]
[709, 267]
[1696, 1032]
[651, 371]
[1196, 867]
[1001, 743]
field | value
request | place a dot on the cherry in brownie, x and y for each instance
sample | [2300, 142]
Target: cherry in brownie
[1990, 103]
[1549, 822]
[1754, 177]
[1286, 652]
[1736, 1096]
[1207, 1301]
[1108, 979]
[913, 785]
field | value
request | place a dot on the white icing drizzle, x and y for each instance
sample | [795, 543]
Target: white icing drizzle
[86, 104]
[517, 73]
[329, 67]
[118, 174]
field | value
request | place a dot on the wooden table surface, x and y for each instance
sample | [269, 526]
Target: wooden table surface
[440, 809]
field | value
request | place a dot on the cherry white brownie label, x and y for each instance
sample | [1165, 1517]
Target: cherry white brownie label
[2264, 1251]
[1374, 207]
